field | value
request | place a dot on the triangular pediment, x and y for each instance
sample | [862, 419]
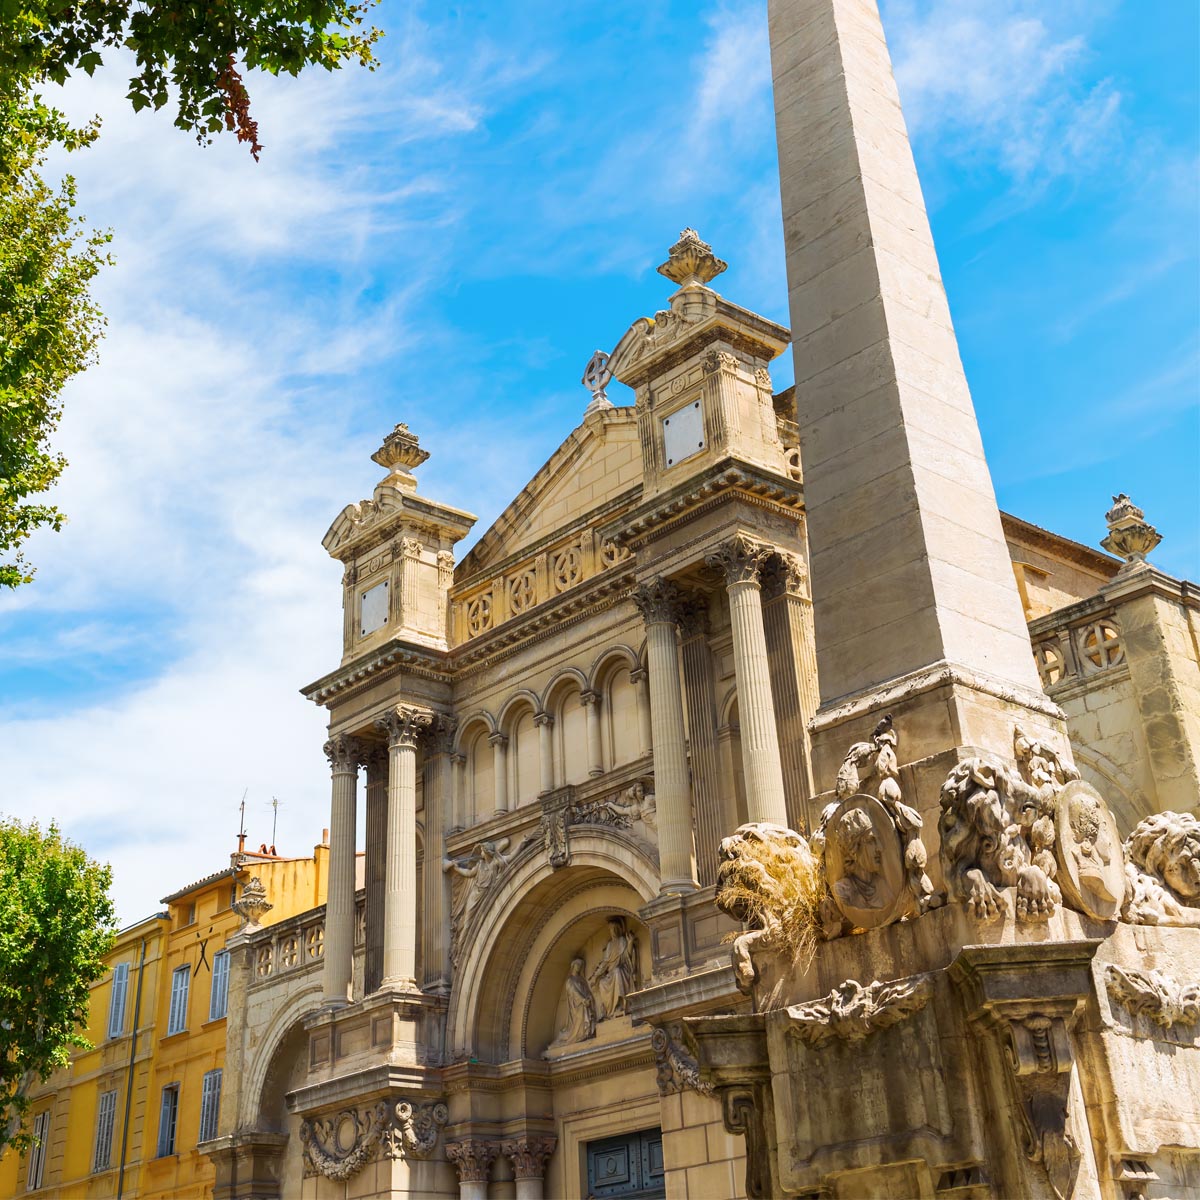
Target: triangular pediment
[598, 461]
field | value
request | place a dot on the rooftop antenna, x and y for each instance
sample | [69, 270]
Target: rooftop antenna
[242, 824]
[275, 803]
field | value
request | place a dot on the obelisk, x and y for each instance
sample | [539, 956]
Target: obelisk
[915, 604]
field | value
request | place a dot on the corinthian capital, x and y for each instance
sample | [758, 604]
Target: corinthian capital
[741, 559]
[439, 734]
[784, 574]
[529, 1155]
[344, 752]
[658, 601]
[404, 725]
[472, 1158]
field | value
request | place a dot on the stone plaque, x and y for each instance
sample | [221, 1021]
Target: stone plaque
[863, 862]
[1091, 868]
[683, 433]
[373, 609]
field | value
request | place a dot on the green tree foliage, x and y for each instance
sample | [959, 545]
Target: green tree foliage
[191, 51]
[49, 327]
[56, 925]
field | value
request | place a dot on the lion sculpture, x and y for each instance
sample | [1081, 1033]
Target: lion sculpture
[769, 880]
[996, 832]
[1162, 871]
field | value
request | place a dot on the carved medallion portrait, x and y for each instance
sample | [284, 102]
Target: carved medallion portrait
[1091, 868]
[863, 862]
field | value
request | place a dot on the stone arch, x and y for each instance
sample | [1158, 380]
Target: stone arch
[526, 903]
[562, 681]
[516, 704]
[608, 660]
[287, 1018]
[467, 724]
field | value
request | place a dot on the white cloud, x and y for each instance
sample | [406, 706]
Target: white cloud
[995, 79]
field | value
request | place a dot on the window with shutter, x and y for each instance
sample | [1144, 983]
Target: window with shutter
[168, 1115]
[116, 1001]
[177, 1017]
[210, 1105]
[37, 1156]
[218, 1002]
[106, 1120]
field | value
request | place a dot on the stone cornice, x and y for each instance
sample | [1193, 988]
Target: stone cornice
[391, 658]
[700, 493]
[1143, 580]
[847, 708]
[1057, 546]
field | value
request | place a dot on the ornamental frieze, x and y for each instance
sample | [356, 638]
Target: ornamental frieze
[339, 1145]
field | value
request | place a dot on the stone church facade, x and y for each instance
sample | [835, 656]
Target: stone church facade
[673, 633]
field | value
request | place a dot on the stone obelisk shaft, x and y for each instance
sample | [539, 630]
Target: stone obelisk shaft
[909, 565]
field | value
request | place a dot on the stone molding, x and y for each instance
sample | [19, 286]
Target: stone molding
[529, 1155]
[1155, 995]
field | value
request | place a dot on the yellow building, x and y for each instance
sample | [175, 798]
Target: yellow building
[125, 1118]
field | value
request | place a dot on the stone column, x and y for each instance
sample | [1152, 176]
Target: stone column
[545, 725]
[403, 727]
[700, 696]
[472, 1159]
[377, 777]
[591, 704]
[345, 754]
[639, 677]
[787, 620]
[499, 745]
[657, 601]
[435, 922]
[741, 560]
[529, 1157]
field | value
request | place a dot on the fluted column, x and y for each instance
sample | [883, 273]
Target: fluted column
[344, 754]
[787, 620]
[701, 703]
[472, 1159]
[545, 724]
[741, 558]
[435, 923]
[639, 678]
[591, 706]
[657, 601]
[529, 1157]
[376, 872]
[499, 745]
[403, 726]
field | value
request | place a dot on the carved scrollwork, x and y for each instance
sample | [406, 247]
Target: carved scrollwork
[415, 1128]
[1155, 995]
[338, 1147]
[675, 1068]
[742, 1113]
[853, 1011]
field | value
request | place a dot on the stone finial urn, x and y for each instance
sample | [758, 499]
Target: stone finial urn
[253, 904]
[691, 261]
[400, 453]
[1129, 534]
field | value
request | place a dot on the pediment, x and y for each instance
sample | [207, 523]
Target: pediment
[598, 461]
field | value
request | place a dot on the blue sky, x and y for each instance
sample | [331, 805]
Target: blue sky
[445, 242]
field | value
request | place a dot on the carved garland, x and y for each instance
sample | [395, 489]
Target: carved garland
[401, 1130]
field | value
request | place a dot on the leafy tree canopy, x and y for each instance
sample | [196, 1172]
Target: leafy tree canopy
[190, 47]
[56, 925]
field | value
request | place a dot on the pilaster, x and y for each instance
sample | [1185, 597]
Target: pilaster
[435, 960]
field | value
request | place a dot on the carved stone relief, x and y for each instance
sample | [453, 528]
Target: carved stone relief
[1088, 844]
[1163, 871]
[581, 1007]
[675, 1068]
[340, 1145]
[871, 849]
[853, 1011]
[591, 997]
[1155, 995]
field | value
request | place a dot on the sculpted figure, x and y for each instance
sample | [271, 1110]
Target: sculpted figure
[991, 839]
[636, 804]
[1163, 871]
[481, 869]
[581, 1007]
[1092, 871]
[768, 879]
[615, 975]
[861, 860]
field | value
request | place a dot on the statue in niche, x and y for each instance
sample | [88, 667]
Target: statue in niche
[1091, 867]
[994, 836]
[636, 804]
[615, 975]
[871, 848]
[480, 869]
[581, 1007]
[1163, 871]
